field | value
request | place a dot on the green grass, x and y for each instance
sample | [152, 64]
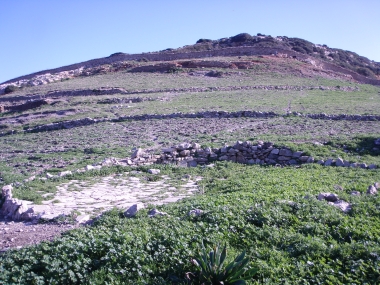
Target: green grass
[24, 155]
[309, 242]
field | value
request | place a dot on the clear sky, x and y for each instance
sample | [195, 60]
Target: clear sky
[43, 34]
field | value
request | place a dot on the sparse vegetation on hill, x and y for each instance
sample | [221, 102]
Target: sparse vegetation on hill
[269, 211]
[343, 58]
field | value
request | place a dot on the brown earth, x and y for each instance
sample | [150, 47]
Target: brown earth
[15, 235]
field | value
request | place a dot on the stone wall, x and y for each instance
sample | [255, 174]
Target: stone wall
[206, 114]
[117, 90]
[31, 104]
[262, 153]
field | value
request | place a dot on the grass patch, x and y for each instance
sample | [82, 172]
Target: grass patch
[246, 208]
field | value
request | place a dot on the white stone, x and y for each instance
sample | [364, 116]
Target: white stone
[82, 219]
[51, 176]
[89, 167]
[65, 173]
[7, 192]
[154, 171]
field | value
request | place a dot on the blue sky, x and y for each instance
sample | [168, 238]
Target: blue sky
[43, 34]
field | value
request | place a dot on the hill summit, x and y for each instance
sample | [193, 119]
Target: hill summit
[322, 57]
[343, 58]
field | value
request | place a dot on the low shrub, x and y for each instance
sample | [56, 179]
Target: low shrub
[241, 38]
[200, 41]
[10, 89]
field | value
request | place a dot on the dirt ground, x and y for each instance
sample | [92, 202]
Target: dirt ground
[16, 235]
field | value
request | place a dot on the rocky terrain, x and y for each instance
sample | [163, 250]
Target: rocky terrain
[144, 134]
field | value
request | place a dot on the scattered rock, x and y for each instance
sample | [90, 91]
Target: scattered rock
[328, 162]
[132, 210]
[154, 171]
[371, 190]
[7, 192]
[355, 193]
[137, 153]
[65, 173]
[89, 167]
[82, 219]
[310, 159]
[195, 212]
[330, 197]
[343, 205]
[30, 179]
[109, 162]
[154, 213]
[339, 162]
[51, 176]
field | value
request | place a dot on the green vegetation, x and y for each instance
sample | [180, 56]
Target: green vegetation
[290, 239]
[267, 217]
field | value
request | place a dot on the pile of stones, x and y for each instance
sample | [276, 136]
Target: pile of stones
[263, 153]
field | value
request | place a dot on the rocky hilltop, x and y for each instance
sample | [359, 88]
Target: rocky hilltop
[348, 63]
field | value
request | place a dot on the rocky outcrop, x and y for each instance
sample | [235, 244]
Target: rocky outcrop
[121, 61]
[13, 208]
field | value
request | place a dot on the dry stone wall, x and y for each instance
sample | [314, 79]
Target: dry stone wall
[117, 90]
[206, 114]
[262, 153]
[30, 104]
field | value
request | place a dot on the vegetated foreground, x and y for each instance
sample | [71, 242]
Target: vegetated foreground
[271, 212]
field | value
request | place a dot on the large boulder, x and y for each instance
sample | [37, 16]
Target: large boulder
[14, 209]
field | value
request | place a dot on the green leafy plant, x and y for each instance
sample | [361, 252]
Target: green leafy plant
[213, 272]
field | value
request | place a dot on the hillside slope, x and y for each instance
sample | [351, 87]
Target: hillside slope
[267, 150]
[329, 59]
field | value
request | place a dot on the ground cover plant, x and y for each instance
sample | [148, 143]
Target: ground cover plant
[270, 213]
[289, 238]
